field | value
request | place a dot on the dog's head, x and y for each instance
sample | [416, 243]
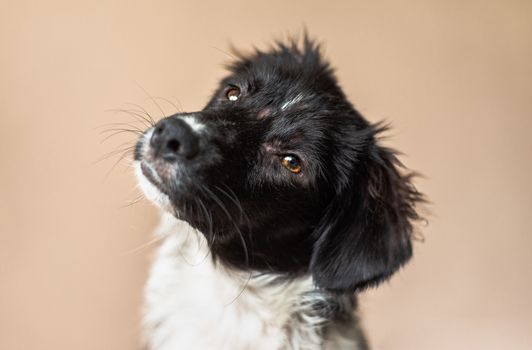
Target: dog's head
[282, 174]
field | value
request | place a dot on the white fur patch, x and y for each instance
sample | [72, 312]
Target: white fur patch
[291, 102]
[193, 303]
[193, 123]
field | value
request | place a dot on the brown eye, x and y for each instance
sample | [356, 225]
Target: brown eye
[232, 94]
[292, 163]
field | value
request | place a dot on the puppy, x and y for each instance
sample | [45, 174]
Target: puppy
[278, 206]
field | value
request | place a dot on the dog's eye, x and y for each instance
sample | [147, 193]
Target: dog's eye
[291, 163]
[232, 94]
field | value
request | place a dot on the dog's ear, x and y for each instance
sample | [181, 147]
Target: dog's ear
[365, 235]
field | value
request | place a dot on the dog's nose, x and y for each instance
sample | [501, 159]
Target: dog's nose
[173, 138]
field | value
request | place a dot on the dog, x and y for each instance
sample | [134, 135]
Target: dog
[279, 205]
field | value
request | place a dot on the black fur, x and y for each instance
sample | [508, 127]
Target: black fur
[346, 218]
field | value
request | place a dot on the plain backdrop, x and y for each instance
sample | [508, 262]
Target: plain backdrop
[453, 77]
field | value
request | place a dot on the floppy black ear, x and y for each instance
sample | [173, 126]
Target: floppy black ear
[365, 235]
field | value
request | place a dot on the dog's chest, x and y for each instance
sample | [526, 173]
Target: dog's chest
[193, 304]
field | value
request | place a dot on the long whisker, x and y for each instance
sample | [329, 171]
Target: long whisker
[120, 131]
[208, 216]
[126, 153]
[133, 202]
[130, 129]
[125, 147]
[243, 216]
[121, 124]
[180, 250]
[234, 198]
[163, 114]
[144, 245]
[224, 209]
[144, 111]
[244, 286]
[178, 109]
[140, 116]
[244, 245]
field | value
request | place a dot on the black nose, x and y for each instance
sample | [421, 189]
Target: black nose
[173, 138]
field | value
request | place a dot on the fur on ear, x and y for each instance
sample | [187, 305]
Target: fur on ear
[365, 235]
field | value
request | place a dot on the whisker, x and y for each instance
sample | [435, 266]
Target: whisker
[118, 132]
[163, 114]
[178, 109]
[148, 115]
[140, 116]
[224, 209]
[241, 236]
[133, 202]
[134, 130]
[144, 245]
[243, 215]
[199, 245]
[238, 204]
[211, 226]
[115, 152]
[128, 125]
[241, 290]
[180, 251]
[122, 157]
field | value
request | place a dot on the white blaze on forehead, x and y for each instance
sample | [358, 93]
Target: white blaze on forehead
[291, 101]
[193, 123]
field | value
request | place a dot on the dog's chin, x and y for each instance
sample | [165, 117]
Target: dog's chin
[150, 182]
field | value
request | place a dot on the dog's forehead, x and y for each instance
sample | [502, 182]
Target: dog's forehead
[280, 64]
[271, 79]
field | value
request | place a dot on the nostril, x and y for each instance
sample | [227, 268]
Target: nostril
[173, 146]
[159, 128]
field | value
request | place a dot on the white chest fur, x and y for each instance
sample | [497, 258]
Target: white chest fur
[192, 303]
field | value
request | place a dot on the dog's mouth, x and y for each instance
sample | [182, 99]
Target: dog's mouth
[159, 173]
[152, 185]
[150, 173]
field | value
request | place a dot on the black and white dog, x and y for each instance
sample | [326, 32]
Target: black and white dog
[279, 205]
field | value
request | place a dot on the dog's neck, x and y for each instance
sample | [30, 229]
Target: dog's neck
[194, 303]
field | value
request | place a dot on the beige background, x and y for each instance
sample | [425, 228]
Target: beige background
[454, 77]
